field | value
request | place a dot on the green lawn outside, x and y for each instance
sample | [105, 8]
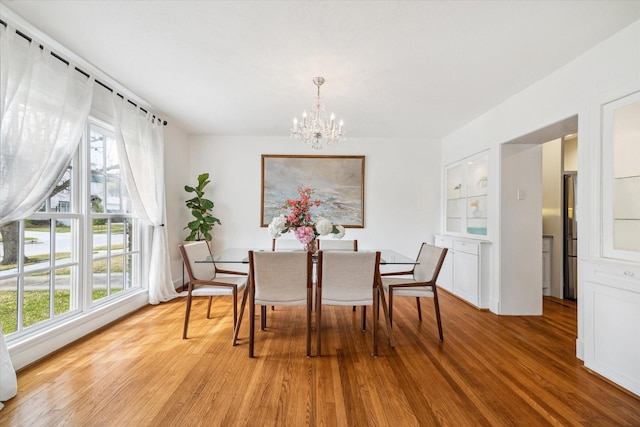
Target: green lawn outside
[36, 306]
[36, 303]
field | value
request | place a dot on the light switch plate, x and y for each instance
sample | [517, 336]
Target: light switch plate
[522, 194]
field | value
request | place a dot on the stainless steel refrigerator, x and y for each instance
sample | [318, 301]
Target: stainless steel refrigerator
[570, 252]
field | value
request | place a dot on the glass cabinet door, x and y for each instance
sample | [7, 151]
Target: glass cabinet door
[621, 178]
[466, 196]
[455, 200]
[477, 196]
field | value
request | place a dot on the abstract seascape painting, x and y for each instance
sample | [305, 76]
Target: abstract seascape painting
[338, 181]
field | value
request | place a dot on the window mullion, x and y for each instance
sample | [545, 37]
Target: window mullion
[21, 276]
[86, 249]
[52, 266]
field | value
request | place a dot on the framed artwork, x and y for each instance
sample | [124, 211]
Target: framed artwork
[336, 180]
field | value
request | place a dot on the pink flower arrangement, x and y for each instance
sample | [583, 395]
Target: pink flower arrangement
[299, 215]
[305, 234]
[299, 220]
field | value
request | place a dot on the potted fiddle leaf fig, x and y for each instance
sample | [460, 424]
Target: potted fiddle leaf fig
[201, 209]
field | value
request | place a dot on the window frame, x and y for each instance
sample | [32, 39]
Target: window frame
[82, 260]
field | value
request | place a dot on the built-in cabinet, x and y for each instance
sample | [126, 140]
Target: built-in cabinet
[445, 278]
[466, 196]
[465, 271]
[611, 294]
[621, 178]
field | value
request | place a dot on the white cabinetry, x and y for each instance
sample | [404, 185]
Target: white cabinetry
[466, 196]
[621, 178]
[611, 295]
[467, 274]
[610, 286]
[445, 279]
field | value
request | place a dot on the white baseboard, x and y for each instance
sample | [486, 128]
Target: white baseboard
[494, 306]
[580, 349]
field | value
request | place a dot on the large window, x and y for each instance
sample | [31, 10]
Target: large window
[79, 251]
[116, 256]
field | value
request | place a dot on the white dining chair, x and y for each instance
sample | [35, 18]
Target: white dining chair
[282, 279]
[337, 245]
[205, 280]
[350, 279]
[283, 244]
[419, 282]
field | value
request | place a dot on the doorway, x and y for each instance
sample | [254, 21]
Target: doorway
[521, 174]
[559, 225]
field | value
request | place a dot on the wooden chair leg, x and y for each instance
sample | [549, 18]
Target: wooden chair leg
[252, 324]
[309, 300]
[235, 306]
[186, 318]
[419, 309]
[237, 326]
[391, 306]
[363, 310]
[318, 321]
[376, 317]
[263, 317]
[387, 316]
[209, 308]
[436, 306]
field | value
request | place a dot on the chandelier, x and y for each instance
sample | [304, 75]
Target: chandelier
[315, 129]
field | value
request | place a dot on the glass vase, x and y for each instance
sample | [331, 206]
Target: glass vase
[312, 246]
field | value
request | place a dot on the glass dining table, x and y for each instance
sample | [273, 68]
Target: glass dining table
[241, 256]
[388, 257]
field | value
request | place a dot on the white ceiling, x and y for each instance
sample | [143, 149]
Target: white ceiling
[392, 68]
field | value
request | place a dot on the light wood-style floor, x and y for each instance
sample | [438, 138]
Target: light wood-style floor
[490, 371]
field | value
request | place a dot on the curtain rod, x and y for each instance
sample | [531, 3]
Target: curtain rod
[55, 55]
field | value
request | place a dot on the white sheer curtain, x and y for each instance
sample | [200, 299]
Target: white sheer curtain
[140, 141]
[44, 105]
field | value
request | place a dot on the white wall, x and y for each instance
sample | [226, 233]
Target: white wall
[609, 70]
[606, 72]
[520, 274]
[402, 188]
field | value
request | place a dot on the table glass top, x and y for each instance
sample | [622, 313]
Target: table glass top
[240, 256]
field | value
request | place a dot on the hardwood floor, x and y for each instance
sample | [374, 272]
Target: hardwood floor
[490, 370]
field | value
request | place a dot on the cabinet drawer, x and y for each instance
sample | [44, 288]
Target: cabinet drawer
[617, 275]
[443, 242]
[467, 247]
